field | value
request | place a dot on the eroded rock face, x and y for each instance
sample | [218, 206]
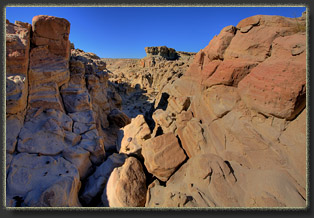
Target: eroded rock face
[53, 127]
[54, 32]
[17, 62]
[277, 87]
[216, 184]
[132, 136]
[43, 181]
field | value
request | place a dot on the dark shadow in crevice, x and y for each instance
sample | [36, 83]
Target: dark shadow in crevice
[163, 103]
[159, 131]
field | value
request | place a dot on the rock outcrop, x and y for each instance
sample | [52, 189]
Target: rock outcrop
[162, 51]
[57, 108]
[246, 89]
[225, 127]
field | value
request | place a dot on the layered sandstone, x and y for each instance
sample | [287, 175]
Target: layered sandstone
[57, 108]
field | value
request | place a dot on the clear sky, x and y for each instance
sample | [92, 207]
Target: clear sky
[124, 32]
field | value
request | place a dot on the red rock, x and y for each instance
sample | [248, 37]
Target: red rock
[253, 41]
[207, 60]
[54, 32]
[277, 87]
[230, 73]
[218, 45]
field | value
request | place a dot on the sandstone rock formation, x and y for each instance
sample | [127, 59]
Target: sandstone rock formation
[243, 99]
[55, 119]
[225, 127]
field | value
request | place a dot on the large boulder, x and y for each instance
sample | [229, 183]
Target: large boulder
[163, 155]
[253, 41]
[126, 186]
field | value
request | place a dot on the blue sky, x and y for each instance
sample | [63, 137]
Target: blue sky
[124, 32]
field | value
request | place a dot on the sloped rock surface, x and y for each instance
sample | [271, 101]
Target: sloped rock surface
[277, 87]
[215, 184]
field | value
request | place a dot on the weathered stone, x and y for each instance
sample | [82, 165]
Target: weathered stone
[118, 118]
[45, 133]
[54, 32]
[17, 48]
[81, 128]
[16, 94]
[45, 96]
[43, 181]
[255, 43]
[76, 100]
[221, 99]
[8, 159]
[13, 128]
[87, 117]
[96, 182]
[163, 51]
[192, 139]
[277, 87]
[126, 186]
[80, 158]
[230, 73]
[47, 67]
[162, 155]
[218, 45]
[95, 145]
[132, 136]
